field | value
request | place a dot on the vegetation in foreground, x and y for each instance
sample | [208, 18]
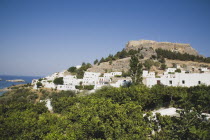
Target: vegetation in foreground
[110, 113]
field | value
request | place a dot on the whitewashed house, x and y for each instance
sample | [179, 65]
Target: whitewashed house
[170, 70]
[112, 74]
[204, 70]
[116, 73]
[177, 79]
[50, 85]
[90, 78]
[66, 87]
[70, 80]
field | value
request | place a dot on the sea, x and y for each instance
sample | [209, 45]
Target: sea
[4, 83]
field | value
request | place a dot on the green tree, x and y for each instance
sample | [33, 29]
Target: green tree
[136, 70]
[102, 60]
[83, 63]
[148, 64]
[58, 81]
[96, 61]
[72, 69]
[178, 70]
[163, 66]
[38, 84]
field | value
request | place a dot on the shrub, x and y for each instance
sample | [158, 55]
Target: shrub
[38, 84]
[178, 70]
[79, 87]
[117, 76]
[89, 87]
[72, 69]
[58, 81]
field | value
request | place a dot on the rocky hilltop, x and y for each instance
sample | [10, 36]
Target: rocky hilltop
[175, 47]
[147, 50]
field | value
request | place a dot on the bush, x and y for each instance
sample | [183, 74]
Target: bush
[72, 69]
[178, 70]
[117, 76]
[86, 87]
[38, 84]
[79, 87]
[163, 66]
[89, 87]
[58, 81]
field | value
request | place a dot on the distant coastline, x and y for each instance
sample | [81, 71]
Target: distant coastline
[16, 80]
[5, 85]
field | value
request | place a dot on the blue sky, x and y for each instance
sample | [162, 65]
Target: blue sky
[39, 37]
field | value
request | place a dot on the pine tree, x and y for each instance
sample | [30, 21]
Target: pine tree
[96, 61]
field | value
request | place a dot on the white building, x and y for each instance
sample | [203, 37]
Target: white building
[204, 70]
[148, 74]
[90, 78]
[66, 87]
[70, 80]
[112, 74]
[178, 79]
[170, 70]
[50, 85]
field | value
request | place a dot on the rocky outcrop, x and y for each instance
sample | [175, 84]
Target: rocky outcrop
[118, 65]
[149, 44]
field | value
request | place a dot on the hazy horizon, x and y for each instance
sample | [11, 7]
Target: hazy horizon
[38, 38]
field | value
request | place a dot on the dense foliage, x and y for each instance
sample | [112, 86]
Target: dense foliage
[80, 71]
[58, 81]
[85, 87]
[109, 113]
[119, 55]
[38, 84]
[179, 56]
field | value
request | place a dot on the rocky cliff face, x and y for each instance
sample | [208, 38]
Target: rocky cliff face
[175, 47]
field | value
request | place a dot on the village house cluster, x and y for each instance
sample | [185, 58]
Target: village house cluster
[178, 77]
[97, 80]
[171, 77]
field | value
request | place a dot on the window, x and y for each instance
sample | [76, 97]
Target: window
[158, 82]
[199, 82]
[170, 82]
[183, 81]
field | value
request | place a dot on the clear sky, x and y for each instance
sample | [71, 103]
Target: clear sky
[40, 37]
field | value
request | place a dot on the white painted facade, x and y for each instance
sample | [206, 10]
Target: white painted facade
[170, 70]
[116, 73]
[70, 80]
[66, 87]
[112, 74]
[90, 78]
[177, 79]
[50, 85]
[204, 70]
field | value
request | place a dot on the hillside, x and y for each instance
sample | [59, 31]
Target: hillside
[147, 50]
